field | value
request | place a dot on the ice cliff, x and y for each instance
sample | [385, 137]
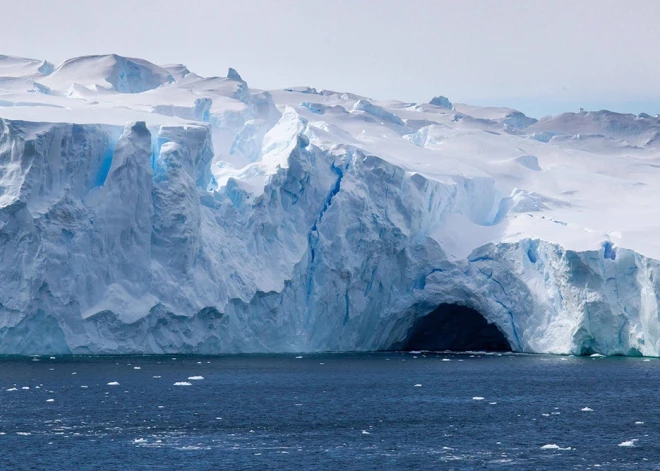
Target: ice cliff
[148, 209]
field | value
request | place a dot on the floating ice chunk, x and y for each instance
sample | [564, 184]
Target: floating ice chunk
[418, 385]
[140, 440]
[298, 357]
[74, 373]
[113, 383]
[639, 423]
[446, 359]
[628, 443]
[587, 409]
[492, 403]
[25, 387]
[156, 377]
[552, 446]
[597, 355]
[195, 378]
[364, 432]
[84, 387]
[50, 400]
[12, 389]
[52, 358]
[137, 368]
[25, 434]
[646, 359]
[414, 352]
[477, 398]
[182, 383]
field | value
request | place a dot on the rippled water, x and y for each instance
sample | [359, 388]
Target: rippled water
[344, 411]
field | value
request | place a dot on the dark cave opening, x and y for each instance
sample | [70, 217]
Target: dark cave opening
[456, 328]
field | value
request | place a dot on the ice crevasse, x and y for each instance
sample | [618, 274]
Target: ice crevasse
[337, 232]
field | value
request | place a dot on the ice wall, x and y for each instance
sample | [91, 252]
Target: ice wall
[118, 240]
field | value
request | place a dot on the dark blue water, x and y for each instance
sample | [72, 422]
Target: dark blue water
[320, 412]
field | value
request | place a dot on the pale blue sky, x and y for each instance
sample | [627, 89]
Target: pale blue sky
[540, 56]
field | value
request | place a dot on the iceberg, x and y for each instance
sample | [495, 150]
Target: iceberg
[441, 101]
[157, 211]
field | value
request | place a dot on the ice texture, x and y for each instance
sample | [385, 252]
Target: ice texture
[441, 101]
[146, 209]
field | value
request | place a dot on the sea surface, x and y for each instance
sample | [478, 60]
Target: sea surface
[383, 411]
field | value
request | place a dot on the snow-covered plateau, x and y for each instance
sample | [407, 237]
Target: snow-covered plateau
[147, 209]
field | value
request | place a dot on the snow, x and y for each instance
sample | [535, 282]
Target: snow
[147, 209]
[107, 73]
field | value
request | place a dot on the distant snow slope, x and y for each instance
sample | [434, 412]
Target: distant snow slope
[145, 208]
[111, 72]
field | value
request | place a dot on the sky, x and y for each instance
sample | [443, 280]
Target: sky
[540, 56]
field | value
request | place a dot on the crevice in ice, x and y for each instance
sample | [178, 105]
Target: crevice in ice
[106, 163]
[609, 251]
[454, 327]
[328, 201]
[313, 236]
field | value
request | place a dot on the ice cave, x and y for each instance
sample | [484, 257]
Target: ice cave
[456, 328]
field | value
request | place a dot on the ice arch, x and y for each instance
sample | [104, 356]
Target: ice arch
[457, 328]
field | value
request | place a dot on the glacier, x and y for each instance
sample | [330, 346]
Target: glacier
[146, 209]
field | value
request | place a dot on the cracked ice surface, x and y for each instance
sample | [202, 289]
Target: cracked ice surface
[148, 209]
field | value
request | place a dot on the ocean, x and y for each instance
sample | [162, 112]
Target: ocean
[383, 411]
